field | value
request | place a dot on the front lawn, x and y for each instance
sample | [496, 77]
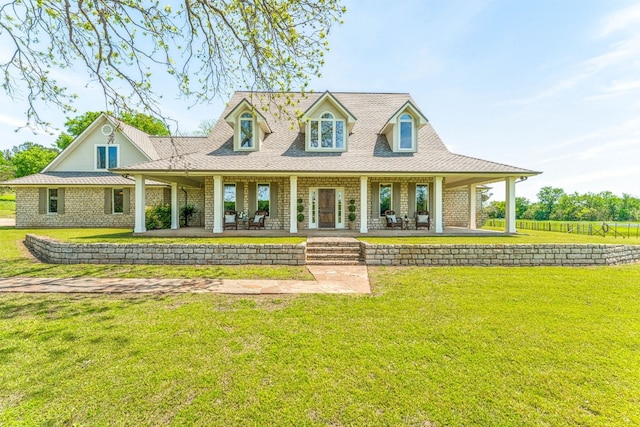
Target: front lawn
[8, 205]
[431, 346]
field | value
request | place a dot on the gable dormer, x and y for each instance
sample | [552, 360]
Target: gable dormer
[402, 128]
[250, 127]
[327, 125]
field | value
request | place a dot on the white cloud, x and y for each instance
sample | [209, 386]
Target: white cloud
[12, 121]
[624, 19]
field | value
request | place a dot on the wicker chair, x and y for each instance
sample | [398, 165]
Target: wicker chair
[257, 220]
[392, 220]
[230, 220]
[423, 219]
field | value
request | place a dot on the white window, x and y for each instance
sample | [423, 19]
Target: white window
[229, 197]
[386, 194]
[247, 131]
[405, 130]
[326, 133]
[107, 157]
[422, 197]
[117, 200]
[263, 197]
[52, 200]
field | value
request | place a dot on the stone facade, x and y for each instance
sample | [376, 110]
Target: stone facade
[83, 207]
[529, 255]
[455, 202]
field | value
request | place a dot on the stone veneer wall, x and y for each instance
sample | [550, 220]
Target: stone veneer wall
[56, 252]
[83, 207]
[500, 255]
[455, 202]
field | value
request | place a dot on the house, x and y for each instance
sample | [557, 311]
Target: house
[317, 150]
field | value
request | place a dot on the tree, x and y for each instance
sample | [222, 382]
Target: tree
[32, 160]
[208, 47]
[547, 199]
[77, 125]
[7, 170]
[205, 127]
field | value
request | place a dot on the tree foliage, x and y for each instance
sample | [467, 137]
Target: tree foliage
[32, 159]
[75, 126]
[555, 204]
[208, 47]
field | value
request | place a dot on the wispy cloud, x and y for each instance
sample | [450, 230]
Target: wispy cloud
[623, 19]
[12, 121]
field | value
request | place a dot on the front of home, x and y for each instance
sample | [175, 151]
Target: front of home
[322, 155]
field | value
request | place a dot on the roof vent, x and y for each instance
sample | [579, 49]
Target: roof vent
[107, 130]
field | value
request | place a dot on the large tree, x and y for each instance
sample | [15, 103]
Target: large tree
[208, 46]
[32, 158]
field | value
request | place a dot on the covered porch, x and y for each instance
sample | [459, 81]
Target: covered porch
[287, 196]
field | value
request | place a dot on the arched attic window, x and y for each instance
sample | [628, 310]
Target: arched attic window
[406, 132]
[327, 132]
[247, 131]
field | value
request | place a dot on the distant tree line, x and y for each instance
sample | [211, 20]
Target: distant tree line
[556, 205]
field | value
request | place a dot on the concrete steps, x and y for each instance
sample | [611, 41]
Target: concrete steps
[333, 251]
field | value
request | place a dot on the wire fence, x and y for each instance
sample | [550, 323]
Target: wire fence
[615, 229]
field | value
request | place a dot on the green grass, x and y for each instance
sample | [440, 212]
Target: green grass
[523, 237]
[431, 346]
[8, 205]
[15, 261]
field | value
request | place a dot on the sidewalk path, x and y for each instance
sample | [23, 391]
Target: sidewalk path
[329, 280]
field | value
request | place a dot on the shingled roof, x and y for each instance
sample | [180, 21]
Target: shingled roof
[283, 150]
[101, 179]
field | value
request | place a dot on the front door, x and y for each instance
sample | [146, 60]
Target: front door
[327, 208]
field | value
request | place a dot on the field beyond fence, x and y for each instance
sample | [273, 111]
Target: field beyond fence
[613, 229]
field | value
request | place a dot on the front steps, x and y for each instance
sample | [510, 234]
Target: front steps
[333, 251]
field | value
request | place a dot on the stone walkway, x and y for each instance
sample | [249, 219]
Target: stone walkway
[329, 280]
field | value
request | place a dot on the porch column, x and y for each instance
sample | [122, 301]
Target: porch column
[510, 205]
[437, 204]
[293, 204]
[472, 207]
[218, 204]
[364, 203]
[139, 220]
[174, 206]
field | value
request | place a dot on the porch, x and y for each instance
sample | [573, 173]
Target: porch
[204, 232]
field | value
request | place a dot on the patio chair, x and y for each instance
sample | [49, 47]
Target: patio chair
[423, 219]
[392, 220]
[257, 220]
[230, 220]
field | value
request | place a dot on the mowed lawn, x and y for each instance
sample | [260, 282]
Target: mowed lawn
[430, 346]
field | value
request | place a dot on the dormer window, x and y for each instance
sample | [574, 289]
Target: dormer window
[326, 133]
[406, 132]
[247, 133]
[249, 127]
[402, 129]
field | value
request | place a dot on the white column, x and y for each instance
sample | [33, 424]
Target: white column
[139, 220]
[218, 204]
[510, 205]
[293, 204]
[364, 203]
[174, 206]
[472, 207]
[437, 204]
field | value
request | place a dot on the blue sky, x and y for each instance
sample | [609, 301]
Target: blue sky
[546, 85]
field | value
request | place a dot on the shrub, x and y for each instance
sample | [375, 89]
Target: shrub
[158, 217]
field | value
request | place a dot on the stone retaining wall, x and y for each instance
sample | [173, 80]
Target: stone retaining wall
[55, 252]
[500, 255]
